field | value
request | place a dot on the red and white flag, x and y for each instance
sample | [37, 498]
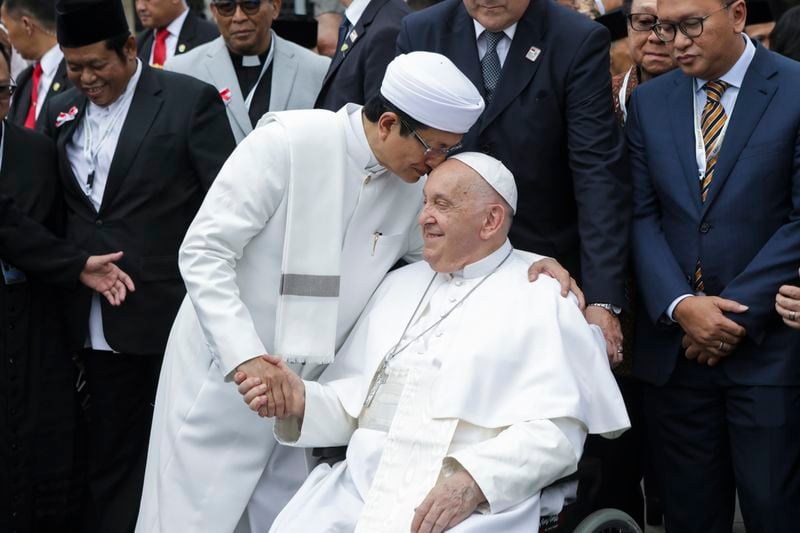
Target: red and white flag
[225, 94]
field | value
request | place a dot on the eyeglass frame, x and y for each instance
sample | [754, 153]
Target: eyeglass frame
[237, 3]
[680, 24]
[429, 150]
[630, 21]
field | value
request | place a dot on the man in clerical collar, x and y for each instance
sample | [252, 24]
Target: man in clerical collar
[171, 29]
[138, 148]
[254, 69]
[463, 390]
[31, 29]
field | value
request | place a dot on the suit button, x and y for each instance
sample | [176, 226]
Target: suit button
[705, 227]
[98, 223]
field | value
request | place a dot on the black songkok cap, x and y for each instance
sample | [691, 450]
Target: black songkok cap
[616, 23]
[85, 22]
[758, 12]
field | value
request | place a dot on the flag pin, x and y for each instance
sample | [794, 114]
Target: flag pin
[353, 36]
[533, 53]
[181, 48]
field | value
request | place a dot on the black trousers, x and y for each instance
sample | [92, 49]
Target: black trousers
[712, 437]
[121, 391]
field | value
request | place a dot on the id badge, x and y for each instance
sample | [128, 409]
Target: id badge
[12, 275]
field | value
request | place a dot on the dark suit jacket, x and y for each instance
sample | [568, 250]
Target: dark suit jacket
[195, 31]
[24, 241]
[356, 75]
[747, 233]
[552, 123]
[174, 140]
[22, 98]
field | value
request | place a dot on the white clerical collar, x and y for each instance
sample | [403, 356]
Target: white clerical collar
[735, 76]
[355, 10]
[125, 96]
[51, 59]
[174, 28]
[484, 266]
[510, 31]
[360, 151]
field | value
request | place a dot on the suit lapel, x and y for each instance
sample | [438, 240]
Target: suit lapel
[462, 47]
[22, 98]
[64, 134]
[146, 46]
[754, 97]
[518, 70]
[681, 116]
[284, 70]
[143, 110]
[187, 35]
[59, 84]
[360, 29]
[220, 69]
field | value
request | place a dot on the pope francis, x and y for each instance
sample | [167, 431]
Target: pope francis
[463, 390]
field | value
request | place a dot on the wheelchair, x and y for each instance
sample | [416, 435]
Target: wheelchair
[577, 516]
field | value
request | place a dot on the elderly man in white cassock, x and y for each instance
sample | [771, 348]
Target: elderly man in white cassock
[463, 390]
[300, 226]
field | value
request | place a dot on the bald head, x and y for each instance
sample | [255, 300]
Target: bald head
[464, 218]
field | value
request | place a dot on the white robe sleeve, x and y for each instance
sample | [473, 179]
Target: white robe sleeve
[325, 423]
[242, 199]
[522, 460]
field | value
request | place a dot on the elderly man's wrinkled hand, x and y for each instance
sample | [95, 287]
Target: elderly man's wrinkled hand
[448, 503]
[612, 332]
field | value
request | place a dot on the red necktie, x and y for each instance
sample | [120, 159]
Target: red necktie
[160, 48]
[30, 120]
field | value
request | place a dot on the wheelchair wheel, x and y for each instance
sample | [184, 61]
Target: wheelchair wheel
[608, 521]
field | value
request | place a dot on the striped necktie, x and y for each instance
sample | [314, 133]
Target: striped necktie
[712, 125]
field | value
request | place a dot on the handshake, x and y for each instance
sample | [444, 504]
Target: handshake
[271, 388]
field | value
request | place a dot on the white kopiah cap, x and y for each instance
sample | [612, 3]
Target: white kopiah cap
[431, 89]
[494, 173]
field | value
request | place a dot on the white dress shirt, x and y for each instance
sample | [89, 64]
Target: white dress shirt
[50, 61]
[734, 78]
[106, 126]
[174, 28]
[502, 46]
[355, 10]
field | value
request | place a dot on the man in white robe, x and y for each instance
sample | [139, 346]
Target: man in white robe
[491, 383]
[209, 467]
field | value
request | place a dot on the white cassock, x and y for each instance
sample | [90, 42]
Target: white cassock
[507, 386]
[211, 461]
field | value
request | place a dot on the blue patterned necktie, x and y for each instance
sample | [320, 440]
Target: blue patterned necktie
[490, 64]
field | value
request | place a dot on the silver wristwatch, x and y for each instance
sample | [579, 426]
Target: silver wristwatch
[613, 309]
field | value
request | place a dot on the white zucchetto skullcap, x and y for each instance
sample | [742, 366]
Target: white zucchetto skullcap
[431, 89]
[494, 173]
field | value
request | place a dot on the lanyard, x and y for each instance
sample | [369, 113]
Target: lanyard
[623, 94]
[699, 143]
[267, 62]
[90, 151]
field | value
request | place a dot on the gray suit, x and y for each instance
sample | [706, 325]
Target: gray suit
[297, 76]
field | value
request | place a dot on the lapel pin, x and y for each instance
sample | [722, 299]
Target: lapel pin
[66, 117]
[344, 48]
[533, 54]
[181, 48]
[56, 87]
[226, 96]
[353, 36]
